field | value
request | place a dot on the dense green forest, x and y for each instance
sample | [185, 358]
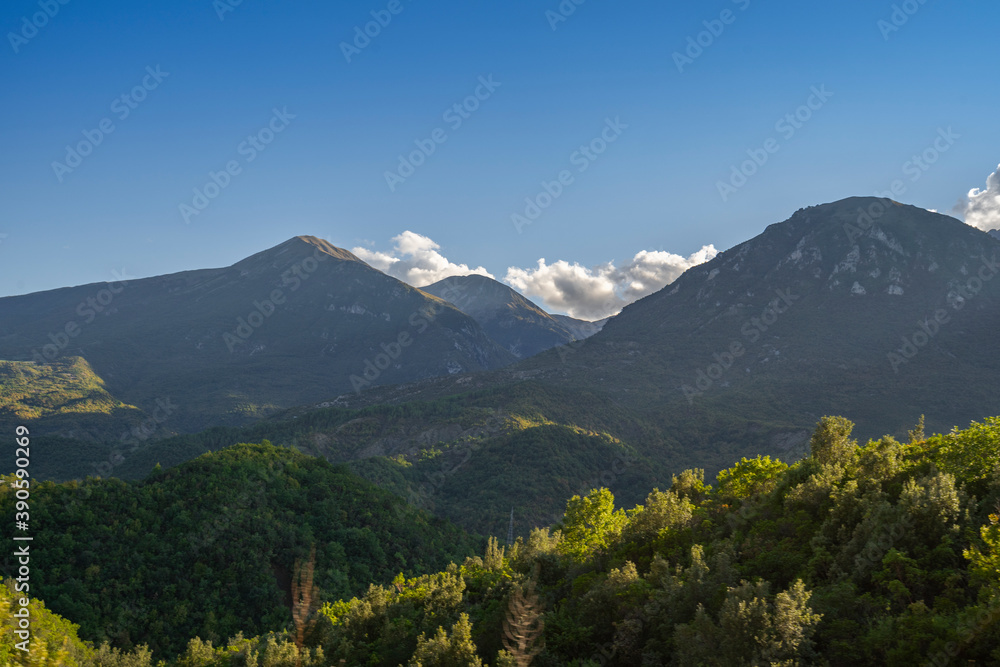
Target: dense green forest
[887, 553]
[209, 548]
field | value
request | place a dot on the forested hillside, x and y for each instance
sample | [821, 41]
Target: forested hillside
[469, 458]
[67, 398]
[209, 548]
[882, 554]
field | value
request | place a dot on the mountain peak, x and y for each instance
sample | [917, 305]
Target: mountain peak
[508, 317]
[858, 209]
[852, 251]
[855, 246]
[480, 296]
[312, 243]
[293, 251]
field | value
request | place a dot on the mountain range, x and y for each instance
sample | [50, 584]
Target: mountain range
[865, 307]
[843, 307]
[283, 327]
[872, 554]
[296, 323]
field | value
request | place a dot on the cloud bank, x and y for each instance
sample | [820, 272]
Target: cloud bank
[585, 293]
[981, 208]
[415, 259]
[602, 291]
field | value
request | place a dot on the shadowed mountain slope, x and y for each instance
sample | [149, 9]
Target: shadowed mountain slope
[292, 324]
[509, 318]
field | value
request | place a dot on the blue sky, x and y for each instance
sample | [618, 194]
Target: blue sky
[655, 188]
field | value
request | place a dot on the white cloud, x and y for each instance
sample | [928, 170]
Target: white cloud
[981, 208]
[585, 293]
[415, 259]
[603, 290]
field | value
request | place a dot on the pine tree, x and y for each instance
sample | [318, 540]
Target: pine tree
[831, 441]
[917, 434]
[444, 650]
[494, 555]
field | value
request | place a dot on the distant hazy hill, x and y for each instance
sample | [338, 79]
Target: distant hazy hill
[995, 233]
[580, 328]
[510, 319]
[289, 325]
